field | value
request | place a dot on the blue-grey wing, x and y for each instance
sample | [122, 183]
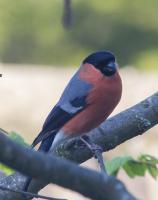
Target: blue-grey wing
[72, 101]
[75, 89]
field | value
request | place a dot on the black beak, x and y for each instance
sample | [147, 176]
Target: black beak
[110, 69]
[111, 66]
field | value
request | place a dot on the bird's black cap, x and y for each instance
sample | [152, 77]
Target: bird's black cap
[102, 60]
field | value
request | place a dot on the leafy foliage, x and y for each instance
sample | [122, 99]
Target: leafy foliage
[133, 167]
[6, 170]
[114, 165]
[31, 31]
[17, 138]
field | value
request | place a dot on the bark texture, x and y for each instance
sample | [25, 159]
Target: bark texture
[114, 131]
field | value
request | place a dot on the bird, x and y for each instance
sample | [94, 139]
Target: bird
[88, 99]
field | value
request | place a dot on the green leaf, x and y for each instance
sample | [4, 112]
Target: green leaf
[135, 168]
[6, 170]
[128, 170]
[148, 159]
[17, 138]
[113, 166]
[153, 171]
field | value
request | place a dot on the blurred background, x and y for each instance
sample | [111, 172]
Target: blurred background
[38, 55]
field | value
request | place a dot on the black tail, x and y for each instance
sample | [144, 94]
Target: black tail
[44, 147]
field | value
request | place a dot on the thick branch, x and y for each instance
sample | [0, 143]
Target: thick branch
[128, 124]
[116, 130]
[64, 173]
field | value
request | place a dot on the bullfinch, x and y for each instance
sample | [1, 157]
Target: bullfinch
[88, 99]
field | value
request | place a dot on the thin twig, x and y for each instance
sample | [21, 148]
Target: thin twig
[3, 131]
[67, 14]
[28, 194]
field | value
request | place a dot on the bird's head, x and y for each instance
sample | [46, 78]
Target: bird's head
[103, 61]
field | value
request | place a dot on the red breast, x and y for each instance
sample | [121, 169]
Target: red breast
[102, 100]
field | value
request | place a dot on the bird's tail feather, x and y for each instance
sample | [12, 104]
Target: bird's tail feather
[27, 183]
[43, 136]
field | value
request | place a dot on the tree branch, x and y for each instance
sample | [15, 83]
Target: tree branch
[64, 173]
[114, 131]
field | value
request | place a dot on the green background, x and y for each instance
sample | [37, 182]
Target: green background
[31, 31]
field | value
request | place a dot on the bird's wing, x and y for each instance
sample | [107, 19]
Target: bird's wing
[72, 101]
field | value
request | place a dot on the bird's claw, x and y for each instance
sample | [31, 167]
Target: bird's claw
[96, 148]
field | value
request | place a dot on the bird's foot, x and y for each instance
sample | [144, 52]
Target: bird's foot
[96, 151]
[96, 148]
[91, 146]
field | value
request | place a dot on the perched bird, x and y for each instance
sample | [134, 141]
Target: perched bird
[89, 98]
